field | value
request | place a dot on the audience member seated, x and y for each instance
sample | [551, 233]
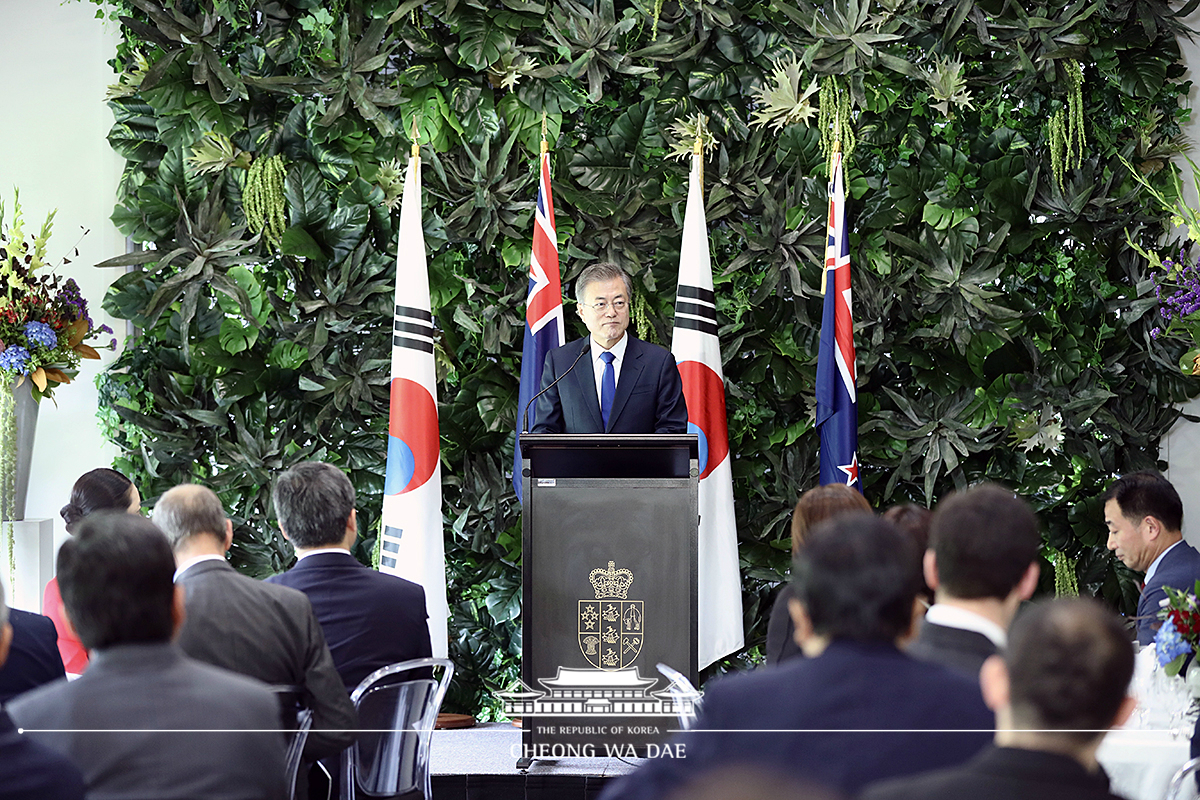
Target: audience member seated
[370, 619]
[28, 770]
[33, 658]
[116, 576]
[1145, 522]
[855, 581]
[254, 628]
[101, 489]
[814, 506]
[981, 563]
[914, 520]
[1061, 684]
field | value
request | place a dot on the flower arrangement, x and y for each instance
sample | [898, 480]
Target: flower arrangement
[1179, 635]
[43, 325]
[44, 320]
[1177, 285]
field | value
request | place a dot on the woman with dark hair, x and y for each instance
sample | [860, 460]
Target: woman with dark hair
[99, 490]
[914, 520]
[814, 506]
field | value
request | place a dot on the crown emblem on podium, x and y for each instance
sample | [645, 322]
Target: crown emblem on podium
[611, 582]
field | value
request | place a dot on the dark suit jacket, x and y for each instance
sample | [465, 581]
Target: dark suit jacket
[30, 771]
[956, 648]
[1179, 569]
[867, 690]
[1001, 773]
[781, 632]
[133, 692]
[268, 633]
[370, 619]
[649, 396]
[33, 658]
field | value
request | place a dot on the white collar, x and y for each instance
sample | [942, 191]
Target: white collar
[191, 562]
[618, 349]
[316, 550]
[949, 616]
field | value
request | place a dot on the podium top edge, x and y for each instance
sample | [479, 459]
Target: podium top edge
[555, 440]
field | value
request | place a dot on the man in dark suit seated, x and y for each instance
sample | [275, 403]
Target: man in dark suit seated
[28, 770]
[145, 720]
[981, 564]
[1061, 684]
[626, 386]
[856, 582]
[33, 658]
[370, 619]
[1145, 521]
[233, 621]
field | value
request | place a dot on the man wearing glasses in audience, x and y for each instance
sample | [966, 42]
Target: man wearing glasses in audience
[625, 386]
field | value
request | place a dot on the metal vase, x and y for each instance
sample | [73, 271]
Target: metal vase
[25, 409]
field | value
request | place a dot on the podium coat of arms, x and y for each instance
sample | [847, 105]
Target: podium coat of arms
[610, 625]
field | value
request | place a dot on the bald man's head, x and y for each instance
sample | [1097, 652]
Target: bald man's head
[189, 511]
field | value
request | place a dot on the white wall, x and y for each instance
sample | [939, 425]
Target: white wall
[53, 147]
[1181, 448]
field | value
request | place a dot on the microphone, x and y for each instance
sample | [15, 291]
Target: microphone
[525, 415]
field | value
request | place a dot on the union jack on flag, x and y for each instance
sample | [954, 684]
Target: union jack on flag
[544, 308]
[837, 398]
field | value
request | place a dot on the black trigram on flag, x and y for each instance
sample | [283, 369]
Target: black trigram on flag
[414, 329]
[390, 547]
[696, 308]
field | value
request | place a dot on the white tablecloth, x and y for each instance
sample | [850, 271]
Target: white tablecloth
[1140, 763]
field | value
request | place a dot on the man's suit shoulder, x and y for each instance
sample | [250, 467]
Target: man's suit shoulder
[959, 649]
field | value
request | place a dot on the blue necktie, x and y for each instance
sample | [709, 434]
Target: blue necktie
[608, 386]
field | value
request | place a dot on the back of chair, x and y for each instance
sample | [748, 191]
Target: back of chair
[1183, 785]
[396, 719]
[295, 715]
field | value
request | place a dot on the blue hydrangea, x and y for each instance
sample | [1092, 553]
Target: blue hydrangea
[41, 333]
[1168, 644]
[15, 359]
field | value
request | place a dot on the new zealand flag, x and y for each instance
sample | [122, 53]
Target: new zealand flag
[837, 398]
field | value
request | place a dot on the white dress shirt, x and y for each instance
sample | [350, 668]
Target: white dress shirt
[618, 351]
[953, 617]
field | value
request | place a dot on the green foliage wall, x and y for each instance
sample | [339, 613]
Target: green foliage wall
[1002, 320]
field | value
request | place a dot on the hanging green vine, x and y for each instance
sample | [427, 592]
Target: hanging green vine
[1065, 128]
[641, 318]
[834, 121]
[1066, 583]
[262, 199]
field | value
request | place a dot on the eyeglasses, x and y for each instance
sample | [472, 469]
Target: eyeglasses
[602, 306]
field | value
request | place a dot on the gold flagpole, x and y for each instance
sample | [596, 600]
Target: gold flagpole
[416, 139]
[545, 144]
[698, 153]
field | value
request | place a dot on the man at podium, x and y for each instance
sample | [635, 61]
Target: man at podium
[625, 386]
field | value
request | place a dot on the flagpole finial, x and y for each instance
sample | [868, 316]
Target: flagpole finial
[545, 144]
[416, 138]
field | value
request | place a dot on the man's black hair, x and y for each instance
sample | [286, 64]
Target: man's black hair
[984, 538]
[857, 576]
[116, 576]
[1069, 666]
[313, 501]
[1147, 494]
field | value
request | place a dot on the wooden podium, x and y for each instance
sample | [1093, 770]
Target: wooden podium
[608, 587]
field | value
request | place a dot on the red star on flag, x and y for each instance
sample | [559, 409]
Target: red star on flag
[851, 470]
